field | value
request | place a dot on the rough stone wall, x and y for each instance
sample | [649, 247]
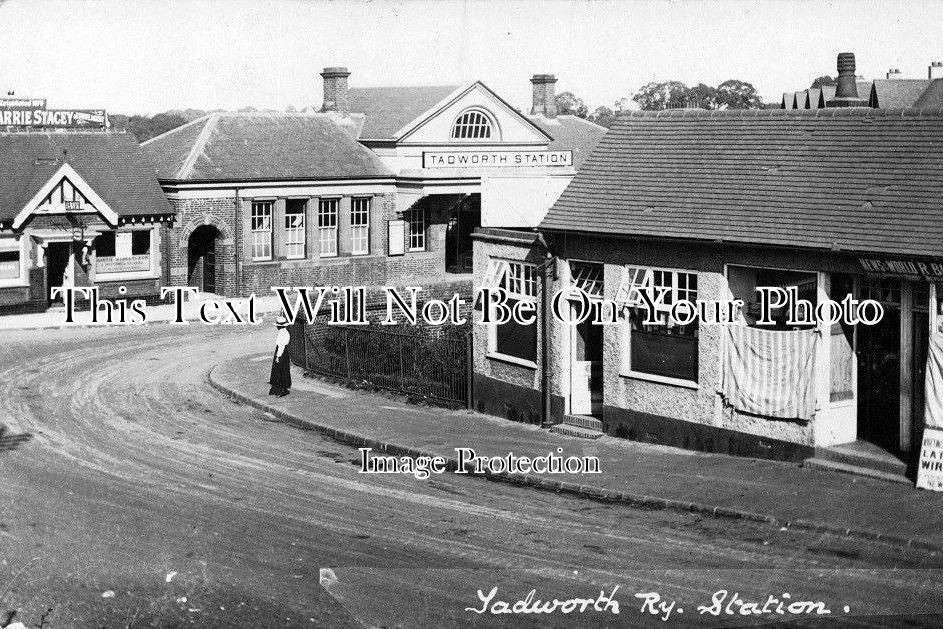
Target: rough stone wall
[700, 405]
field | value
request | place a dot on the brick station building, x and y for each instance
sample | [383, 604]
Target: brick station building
[710, 205]
[379, 186]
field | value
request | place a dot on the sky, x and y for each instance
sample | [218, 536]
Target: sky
[146, 56]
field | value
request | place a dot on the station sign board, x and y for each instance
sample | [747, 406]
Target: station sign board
[495, 159]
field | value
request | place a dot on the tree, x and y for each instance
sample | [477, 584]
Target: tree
[736, 94]
[602, 116]
[823, 80]
[667, 95]
[569, 103]
[731, 94]
[702, 96]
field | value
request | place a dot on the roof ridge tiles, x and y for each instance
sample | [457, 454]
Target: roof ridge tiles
[835, 112]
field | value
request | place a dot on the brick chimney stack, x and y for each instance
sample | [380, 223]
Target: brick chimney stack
[335, 90]
[935, 70]
[846, 91]
[894, 73]
[544, 92]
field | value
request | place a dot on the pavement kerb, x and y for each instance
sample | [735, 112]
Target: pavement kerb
[591, 492]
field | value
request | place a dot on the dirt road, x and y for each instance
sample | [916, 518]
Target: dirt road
[146, 498]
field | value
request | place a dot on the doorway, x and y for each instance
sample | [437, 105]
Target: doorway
[58, 255]
[201, 258]
[879, 368]
[586, 375]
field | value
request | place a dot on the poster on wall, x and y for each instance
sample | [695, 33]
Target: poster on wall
[930, 466]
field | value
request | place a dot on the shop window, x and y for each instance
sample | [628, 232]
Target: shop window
[360, 226]
[665, 348]
[141, 242]
[588, 277]
[743, 282]
[327, 227]
[519, 281]
[472, 125]
[885, 290]
[105, 245]
[295, 228]
[262, 230]
[416, 233]
[11, 262]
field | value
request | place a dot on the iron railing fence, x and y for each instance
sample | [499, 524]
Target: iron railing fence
[420, 362]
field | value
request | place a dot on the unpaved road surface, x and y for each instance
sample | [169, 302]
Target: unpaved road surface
[146, 498]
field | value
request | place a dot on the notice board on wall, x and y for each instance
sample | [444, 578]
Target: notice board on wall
[396, 237]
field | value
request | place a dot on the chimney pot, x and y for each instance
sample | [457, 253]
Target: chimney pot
[894, 73]
[544, 86]
[335, 90]
[935, 71]
[846, 88]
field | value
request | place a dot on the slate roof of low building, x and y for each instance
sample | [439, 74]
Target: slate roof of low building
[571, 132]
[386, 110]
[252, 146]
[896, 93]
[932, 97]
[113, 164]
[848, 179]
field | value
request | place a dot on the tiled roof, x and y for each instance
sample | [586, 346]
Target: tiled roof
[388, 109]
[932, 96]
[814, 95]
[896, 93]
[571, 132]
[854, 179]
[111, 163]
[826, 94]
[255, 146]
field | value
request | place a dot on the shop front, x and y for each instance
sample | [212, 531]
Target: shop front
[706, 210]
[80, 209]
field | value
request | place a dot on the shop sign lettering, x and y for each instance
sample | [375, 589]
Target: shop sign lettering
[495, 159]
[903, 268]
[22, 103]
[59, 118]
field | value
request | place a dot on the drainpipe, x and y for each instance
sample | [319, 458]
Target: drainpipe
[547, 272]
[237, 244]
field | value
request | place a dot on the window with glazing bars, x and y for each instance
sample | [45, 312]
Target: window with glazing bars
[520, 280]
[416, 237]
[472, 125]
[262, 230]
[587, 277]
[295, 228]
[360, 226]
[327, 227]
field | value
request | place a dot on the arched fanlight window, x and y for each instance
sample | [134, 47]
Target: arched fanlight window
[472, 125]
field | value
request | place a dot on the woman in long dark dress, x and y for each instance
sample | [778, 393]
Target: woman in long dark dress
[280, 378]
